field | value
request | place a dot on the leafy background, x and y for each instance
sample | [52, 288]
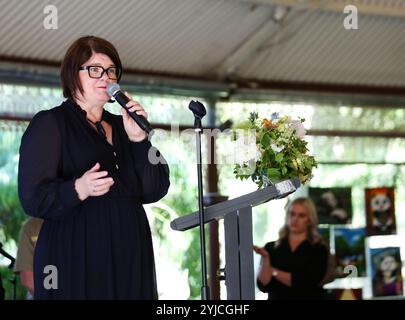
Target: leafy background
[182, 198]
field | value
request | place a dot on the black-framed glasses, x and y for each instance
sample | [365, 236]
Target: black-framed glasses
[97, 72]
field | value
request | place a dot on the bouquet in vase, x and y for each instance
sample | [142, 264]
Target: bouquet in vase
[272, 150]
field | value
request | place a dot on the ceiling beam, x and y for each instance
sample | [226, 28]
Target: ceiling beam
[311, 132]
[246, 50]
[369, 163]
[240, 84]
[371, 7]
[46, 73]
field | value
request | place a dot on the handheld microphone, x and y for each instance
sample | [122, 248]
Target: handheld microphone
[114, 90]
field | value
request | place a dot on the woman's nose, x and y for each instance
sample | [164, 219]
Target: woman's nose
[104, 76]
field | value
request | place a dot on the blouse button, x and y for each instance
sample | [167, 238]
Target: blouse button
[117, 166]
[115, 154]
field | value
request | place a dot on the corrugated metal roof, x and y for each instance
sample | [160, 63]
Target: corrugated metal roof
[317, 48]
[198, 37]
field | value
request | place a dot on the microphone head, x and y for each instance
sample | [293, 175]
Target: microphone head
[197, 108]
[112, 88]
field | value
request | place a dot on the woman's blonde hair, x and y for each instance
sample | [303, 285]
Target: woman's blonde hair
[312, 232]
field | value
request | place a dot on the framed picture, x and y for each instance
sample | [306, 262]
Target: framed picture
[380, 211]
[345, 294]
[350, 251]
[324, 231]
[385, 269]
[334, 205]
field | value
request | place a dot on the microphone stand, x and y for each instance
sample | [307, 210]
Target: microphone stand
[199, 112]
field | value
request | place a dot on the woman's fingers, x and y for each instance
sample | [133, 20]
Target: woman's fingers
[262, 251]
[135, 106]
[257, 249]
[128, 95]
[96, 175]
[102, 189]
[93, 183]
[95, 168]
[101, 182]
[97, 182]
[133, 103]
[139, 111]
[124, 113]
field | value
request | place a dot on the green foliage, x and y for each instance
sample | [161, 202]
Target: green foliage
[8, 277]
[192, 262]
[283, 152]
[183, 199]
[11, 213]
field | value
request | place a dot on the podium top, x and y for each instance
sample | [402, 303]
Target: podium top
[218, 211]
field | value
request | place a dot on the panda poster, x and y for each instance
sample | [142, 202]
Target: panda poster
[385, 264]
[380, 211]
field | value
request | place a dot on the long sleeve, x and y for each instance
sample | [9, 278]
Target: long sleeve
[311, 274]
[43, 193]
[265, 288]
[154, 175]
[262, 287]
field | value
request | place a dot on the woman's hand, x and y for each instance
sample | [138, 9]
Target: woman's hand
[265, 270]
[265, 255]
[92, 183]
[134, 132]
[262, 251]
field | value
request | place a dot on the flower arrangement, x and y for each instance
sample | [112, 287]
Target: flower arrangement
[272, 150]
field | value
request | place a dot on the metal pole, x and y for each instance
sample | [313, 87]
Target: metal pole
[204, 289]
[199, 112]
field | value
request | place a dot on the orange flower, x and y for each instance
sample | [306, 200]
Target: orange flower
[267, 124]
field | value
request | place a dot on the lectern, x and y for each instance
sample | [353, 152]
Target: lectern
[237, 215]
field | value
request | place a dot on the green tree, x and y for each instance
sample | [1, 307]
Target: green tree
[12, 214]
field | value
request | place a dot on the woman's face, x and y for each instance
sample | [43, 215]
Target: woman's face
[388, 263]
[94, 90]
[298, 220]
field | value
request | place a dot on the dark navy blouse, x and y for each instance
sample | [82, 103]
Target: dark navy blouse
[101, 247]
[307, 265]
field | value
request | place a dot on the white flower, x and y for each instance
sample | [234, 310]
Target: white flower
[246, 149]
[247, 170]
[299, 128]
[276, 148]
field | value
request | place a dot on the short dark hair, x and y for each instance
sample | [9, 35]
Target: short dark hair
[78, 53]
